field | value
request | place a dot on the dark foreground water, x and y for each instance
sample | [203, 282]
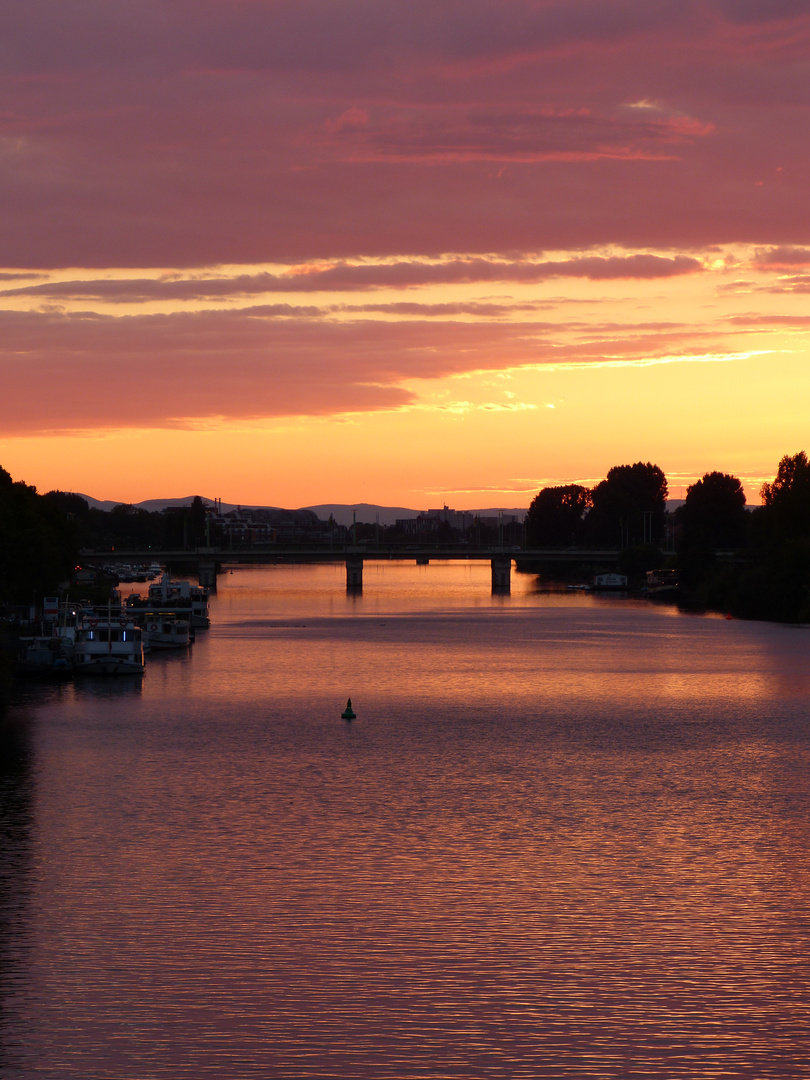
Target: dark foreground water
[565, 837]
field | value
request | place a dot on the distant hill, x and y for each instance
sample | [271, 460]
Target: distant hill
[160, 504]
[368, 512]
[341, 512]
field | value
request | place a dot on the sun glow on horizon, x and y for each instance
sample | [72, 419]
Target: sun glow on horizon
[615, 369]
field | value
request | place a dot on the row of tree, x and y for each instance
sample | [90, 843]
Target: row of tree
[626, 509]
[127, 526]
[39, 544]
[773, 579]
[753, 562]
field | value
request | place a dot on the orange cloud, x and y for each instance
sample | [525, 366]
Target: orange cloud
[258, 363]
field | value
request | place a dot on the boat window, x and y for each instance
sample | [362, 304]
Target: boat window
[103, 635]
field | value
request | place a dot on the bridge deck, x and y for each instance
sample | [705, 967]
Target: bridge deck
[271, 553]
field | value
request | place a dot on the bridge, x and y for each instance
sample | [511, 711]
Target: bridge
[206, 562]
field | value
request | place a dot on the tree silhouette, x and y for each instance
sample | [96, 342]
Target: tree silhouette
[713, 515]
[555, 516]
[629, 506]
[787, 499]
[38, 545]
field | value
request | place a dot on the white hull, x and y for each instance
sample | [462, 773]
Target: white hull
[163, 641]
[162, 633]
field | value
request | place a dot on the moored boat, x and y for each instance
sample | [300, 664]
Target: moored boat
[163, 630]
[108, 645]
[180, 598]
[609, 583]
[44, 657]
[662, 584]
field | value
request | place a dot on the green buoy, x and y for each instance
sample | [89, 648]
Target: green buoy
[348, 713]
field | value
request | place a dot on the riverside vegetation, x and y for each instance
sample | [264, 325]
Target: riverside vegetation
[753, 563]
[766, 577]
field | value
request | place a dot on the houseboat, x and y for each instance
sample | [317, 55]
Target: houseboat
[108, 645]
[180, 598]
[163, 630]
[610, 583]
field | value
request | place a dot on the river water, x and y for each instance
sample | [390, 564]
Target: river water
[566, 836]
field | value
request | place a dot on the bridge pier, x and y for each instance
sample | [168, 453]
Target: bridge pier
[207, 574]
[501, 573]
[354, 573]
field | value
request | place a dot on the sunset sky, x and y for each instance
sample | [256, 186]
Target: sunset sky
[409, 252]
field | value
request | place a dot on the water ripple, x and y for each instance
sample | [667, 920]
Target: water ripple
[541, 851]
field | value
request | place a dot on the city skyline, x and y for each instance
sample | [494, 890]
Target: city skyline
[409, 254]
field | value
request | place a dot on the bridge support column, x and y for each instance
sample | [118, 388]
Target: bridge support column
[354, 573]
[501, 574]
[422, 560]
[207, 574]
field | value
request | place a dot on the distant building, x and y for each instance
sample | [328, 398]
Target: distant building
[428, 522]
[265, 526]
[456, 519]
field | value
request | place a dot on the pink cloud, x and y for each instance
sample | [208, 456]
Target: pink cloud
[348, 277]
[353, 119]
[526, 136]
[799, 322]
[482, 310]
[191, 134]
[780, 258]
[253, 364]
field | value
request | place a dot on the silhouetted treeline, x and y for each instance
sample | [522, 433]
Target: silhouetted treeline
[752, 563]
[627, 509]
[127, 526]
[39, 545]
[771, 580]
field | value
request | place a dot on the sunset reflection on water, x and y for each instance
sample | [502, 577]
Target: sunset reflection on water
[565, 836]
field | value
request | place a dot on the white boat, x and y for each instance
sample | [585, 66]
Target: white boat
[165, 631]
[609, 583]
[108, 645]
[180, 598]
